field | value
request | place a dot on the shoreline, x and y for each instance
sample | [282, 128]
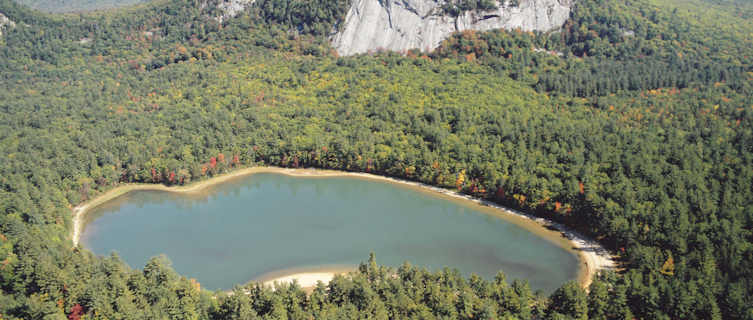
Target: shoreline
[592, 255]
[307, 278]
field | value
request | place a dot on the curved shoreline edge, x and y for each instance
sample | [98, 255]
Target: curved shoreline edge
[594, 256]
[306, 278]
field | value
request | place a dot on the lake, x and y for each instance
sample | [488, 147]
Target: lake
[242, 229]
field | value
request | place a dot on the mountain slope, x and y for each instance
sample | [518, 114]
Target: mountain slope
[60, 6]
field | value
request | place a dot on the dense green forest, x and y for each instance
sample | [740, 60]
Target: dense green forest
[633, 124]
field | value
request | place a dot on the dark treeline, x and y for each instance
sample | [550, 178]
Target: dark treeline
[455, 8]
[310, 17]
[659, 171]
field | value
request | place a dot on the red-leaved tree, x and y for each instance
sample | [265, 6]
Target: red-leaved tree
[76, 312]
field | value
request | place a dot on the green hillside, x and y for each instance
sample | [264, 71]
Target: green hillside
[633, 125]
[60, 6]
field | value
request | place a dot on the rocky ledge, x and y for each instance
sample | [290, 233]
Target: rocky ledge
[5, 23]
[399, 25]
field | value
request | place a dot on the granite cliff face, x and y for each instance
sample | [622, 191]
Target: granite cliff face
[5, 23]
[399, 25]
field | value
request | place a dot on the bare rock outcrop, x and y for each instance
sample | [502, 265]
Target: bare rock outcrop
[399, 25]
[5, 23]
[231, 8]
[222, 10]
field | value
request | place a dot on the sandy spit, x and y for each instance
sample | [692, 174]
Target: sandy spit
[305, 280]
[594, 256]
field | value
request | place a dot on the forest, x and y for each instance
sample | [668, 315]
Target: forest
[632, 124]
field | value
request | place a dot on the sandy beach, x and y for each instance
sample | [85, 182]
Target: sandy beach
[593, 256]
[305, 280]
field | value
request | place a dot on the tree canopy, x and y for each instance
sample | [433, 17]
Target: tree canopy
[632, 124]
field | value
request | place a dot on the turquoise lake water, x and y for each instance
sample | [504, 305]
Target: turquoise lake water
[242, 229]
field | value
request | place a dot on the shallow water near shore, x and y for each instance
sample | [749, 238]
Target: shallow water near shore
[255, 225]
